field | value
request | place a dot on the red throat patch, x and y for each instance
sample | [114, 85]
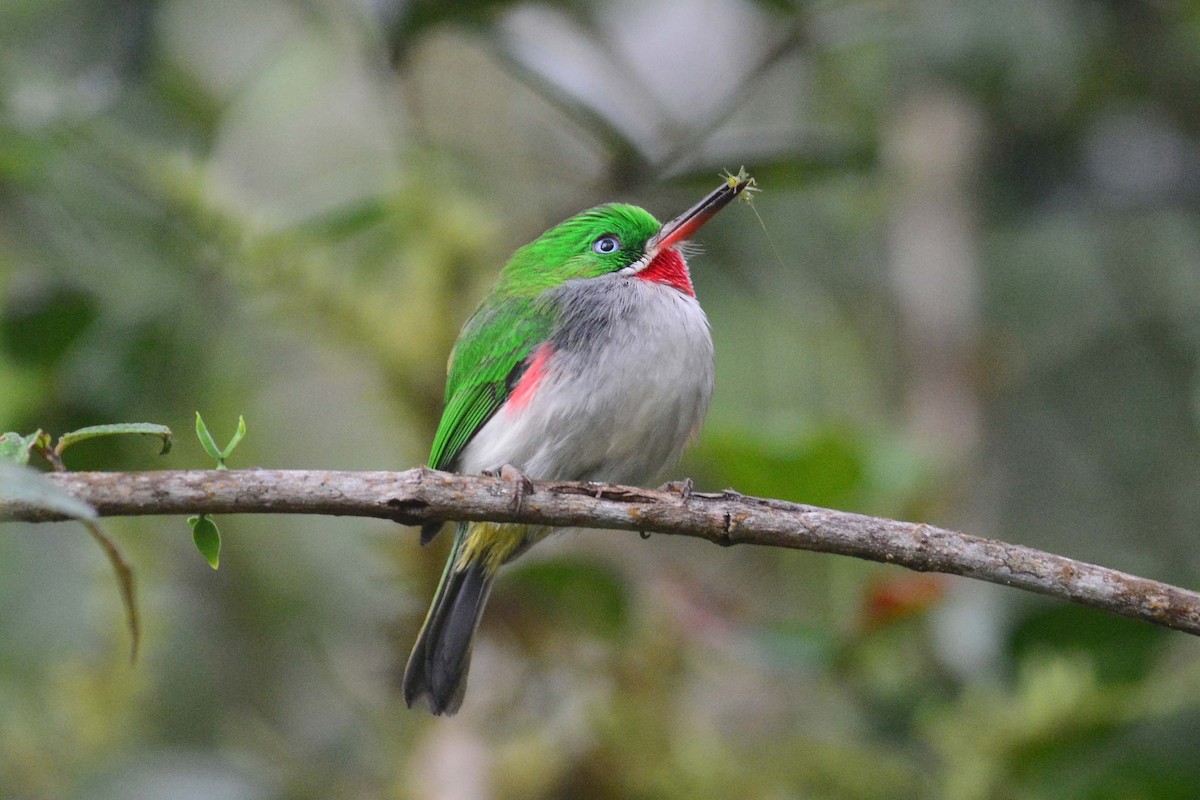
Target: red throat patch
[669, 268]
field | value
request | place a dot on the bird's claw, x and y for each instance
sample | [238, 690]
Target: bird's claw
[522, 485]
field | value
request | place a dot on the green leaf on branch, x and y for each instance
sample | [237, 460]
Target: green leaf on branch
[119, 429]
[207, 538]
[15, 448]
[206, 440]
[210, 446]
[205, 534]
[237, 437]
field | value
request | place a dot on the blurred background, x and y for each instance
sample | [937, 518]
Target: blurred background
[972, 299]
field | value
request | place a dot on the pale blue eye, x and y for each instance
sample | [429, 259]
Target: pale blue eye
[607, 244]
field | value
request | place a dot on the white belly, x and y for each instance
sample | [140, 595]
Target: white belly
[620, 406]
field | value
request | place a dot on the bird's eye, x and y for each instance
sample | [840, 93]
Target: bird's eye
[606, 244]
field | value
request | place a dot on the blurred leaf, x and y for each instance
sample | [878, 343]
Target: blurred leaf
[420, 16]
[345, 221]
[1157, 763]
[827, 469]
[40, 329]
[16, 448]
[783, 6]
[895, 596]
[1121, 650]
[788, 643]
[207, 538]
[23, 157]
[582, 595]
[19, 484]
[117, 429]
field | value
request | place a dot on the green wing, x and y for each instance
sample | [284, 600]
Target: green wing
[494, 343]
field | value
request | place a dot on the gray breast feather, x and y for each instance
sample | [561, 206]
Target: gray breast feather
[628, 384]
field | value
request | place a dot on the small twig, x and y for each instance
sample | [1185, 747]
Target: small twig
[125, 582]
[614, 143]
[421, 495]
[691, 144]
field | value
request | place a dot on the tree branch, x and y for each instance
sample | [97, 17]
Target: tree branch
[726, 518]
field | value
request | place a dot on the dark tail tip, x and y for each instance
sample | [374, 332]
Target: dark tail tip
[429, 532]
[437, 668]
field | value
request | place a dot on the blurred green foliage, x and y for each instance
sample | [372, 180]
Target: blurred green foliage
[974, 302]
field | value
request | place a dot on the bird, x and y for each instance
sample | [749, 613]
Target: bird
[591, 360]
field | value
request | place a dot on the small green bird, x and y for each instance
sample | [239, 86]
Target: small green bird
[590, 360]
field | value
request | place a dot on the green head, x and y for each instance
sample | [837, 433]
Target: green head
[612, 238]
[598, 241]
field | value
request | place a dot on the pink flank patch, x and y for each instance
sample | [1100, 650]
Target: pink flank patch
[668, 267]
[523, 392]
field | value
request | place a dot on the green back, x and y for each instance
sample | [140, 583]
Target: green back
[517, 316]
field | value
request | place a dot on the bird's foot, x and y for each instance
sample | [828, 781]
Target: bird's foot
[682, 488]
[522, 485]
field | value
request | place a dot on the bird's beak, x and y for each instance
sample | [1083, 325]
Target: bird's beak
[690, 221]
